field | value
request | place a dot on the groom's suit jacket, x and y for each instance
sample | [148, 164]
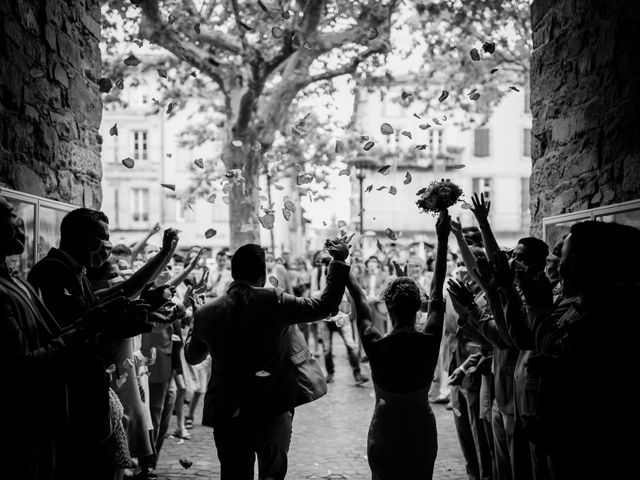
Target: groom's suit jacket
[246, 331]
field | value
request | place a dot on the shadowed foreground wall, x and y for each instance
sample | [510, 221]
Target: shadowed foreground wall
[585, 100]
[50, 106]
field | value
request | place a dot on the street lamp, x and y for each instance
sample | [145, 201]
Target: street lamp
[362, 162]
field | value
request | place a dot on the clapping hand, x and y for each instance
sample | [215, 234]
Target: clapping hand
[338, 249]
[480, 208]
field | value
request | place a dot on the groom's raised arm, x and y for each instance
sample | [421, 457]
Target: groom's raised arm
[301, 309]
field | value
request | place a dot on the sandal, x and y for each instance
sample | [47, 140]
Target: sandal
[188, 423]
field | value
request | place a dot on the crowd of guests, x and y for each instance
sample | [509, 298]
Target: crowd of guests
[103, 344]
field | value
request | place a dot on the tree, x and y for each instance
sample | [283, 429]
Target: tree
[260, 55]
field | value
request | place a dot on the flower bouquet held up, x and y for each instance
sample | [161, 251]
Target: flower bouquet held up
[438, 196]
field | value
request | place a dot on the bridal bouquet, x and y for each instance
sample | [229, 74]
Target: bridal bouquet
[438, 196]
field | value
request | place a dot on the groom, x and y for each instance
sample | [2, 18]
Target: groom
[250, 396]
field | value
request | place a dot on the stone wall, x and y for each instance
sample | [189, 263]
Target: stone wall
[585, 100]
[50, 106]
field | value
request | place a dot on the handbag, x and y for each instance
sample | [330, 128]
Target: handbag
[308, 377]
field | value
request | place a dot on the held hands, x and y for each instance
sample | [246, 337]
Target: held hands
[443, 225]
[170, 239]
[480, 208]
[338, 249]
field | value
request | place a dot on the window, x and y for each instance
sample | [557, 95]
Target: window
[140, 144]
[481, 142]
[527, 100]
[482, 185]
[527, 142]
[525, 198]
[140, 204]
[436, 145]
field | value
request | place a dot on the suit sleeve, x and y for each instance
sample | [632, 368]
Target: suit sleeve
[301, 309]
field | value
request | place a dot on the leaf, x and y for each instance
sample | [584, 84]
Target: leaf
[225, 200]
[105, 85]
[472, 91]
[289, 205]
[459, 166]
[421, 147]
[286, 214]
[368, 146]
[169, 186]
[170, 108]
[162, 72]
[346, 172]
[386, 129]
[379, 245]
[466, 206]
[364, 138]
[132, 61]
[475, 96]
[171, 18]
[342, 224]
[236, 143]
[417, 116]
[120, 83]
[304, 179]
[515, 89]
[246, 227]
[384, 170]
[393, 190]
[494, 70]
[324, 224]
[263, 6]
[196, 28]
[407, 178]
[407, 133]
[406, 95]
[436, 121]
[443, 96]
[391, 234]
[245, 26]
[277, 32]
[128, 162]
[186, 463]
[475, 55]
[212, 198]
[199, 162]
[278, 187]
[373, 33]
[368, 189]
[193, 74]
[267, 220]
[424, 126]
[489, 47]
[273, 281]
[339, 147]
[113, 131]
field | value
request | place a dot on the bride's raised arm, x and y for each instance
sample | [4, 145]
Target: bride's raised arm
[435, 315]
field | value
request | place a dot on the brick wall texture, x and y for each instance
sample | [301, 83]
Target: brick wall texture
[50, 106]
[585, 100]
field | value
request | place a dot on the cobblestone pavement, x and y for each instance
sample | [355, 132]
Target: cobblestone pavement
[329, 438]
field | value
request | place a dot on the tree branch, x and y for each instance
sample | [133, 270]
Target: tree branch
[349, 68]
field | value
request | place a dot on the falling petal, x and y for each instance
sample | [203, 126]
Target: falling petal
[307, 46]
[444, 118]
[459, 166]
[189, 206]
[489, 47]
[113, 131]
[304, 179]
[324, 224]
[286, 14]
[472, 91]
[170, 108]
[436, 121]
[263, 6]
[475, 55]
[225, 200]
[379, 245]
[386, 129]
[407, 178]
[342, 224]
[339, 147]
[210, 233]
[120, 83]
[246, 227]
[286, 214]
[405, 95]
[364, 138]
[171, 19]
[360, 212]
[245, 26]
[170, 186]
[267, 220]
[105, 85]
[277, 32]
[169, 155]
[310, 196]
[466, 206]
[278, 187]
[236, 143]
[443, 96]
[391, 234]
[424, 126]
[196, 28]
[212, 198]
[393, 190]
[128, 162]
[417, 116]
[384, 170]
[132, 61]
[407, 133]
[289, 205]
[379, 189]
[421, 147]
[162, 73]
[273, 281]
[368, 189]
[186, 463]
[199, 162]
[346, 171]
[368, 146]
[515, 89]
[475, 96]
[373, 33]
[494, 70]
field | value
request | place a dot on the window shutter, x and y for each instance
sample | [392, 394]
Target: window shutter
[481, 144]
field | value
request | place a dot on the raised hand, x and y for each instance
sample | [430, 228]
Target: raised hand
[461, 294]
[537, 291]
[480, 208]
[485, 274]
[338, 249]
[156, 297]
[456, 228]
[170, 239]
[443, 225]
